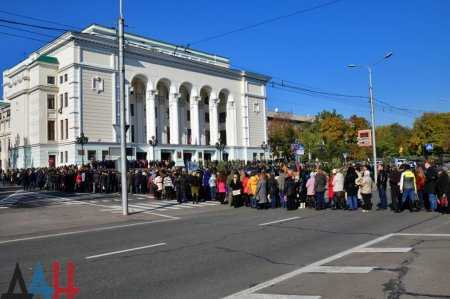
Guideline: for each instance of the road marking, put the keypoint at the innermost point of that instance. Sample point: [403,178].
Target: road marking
[125,250]
[340,269]
[307,268]
[116,207]
[422,235]
[154,207]
[279,221]
[3,207]
[277,296]
[98,229]
[383,250]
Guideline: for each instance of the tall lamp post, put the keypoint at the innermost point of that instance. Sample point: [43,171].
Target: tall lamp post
[264,147]
[153,142]
[82,140]
[220,146]
[372,112]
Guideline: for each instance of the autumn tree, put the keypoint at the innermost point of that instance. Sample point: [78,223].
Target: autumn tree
[431,128]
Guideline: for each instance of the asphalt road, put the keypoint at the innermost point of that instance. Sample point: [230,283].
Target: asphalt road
[204,253]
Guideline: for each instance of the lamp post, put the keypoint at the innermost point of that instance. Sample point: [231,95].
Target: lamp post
[82,140]
[264,147]
[372,112]
[220,146]
[153,142]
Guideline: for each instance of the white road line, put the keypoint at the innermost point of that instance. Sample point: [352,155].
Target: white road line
[277,296]
[125,250]
[383,250]
[84,231]
[340,269]
[422,235]
[151,206]
[4,207]
[306,269]
[279,221]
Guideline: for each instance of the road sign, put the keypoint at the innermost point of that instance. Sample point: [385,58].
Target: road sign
[429,147]
[364,138]
[300,150]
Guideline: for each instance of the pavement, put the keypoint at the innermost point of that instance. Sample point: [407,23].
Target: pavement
[214,251]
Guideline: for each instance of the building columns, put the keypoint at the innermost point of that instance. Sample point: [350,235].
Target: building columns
[150,103]
[127,111]
[195,120]
[174,118]
[214,120]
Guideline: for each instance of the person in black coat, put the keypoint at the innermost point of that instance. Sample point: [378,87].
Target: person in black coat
[273,191]
[291,189]
[443,190]
[236,191]
[431,177]
[351,188]
[394,180]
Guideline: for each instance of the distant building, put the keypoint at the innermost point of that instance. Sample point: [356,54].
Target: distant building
[289,117]
[5,134]
[187,100]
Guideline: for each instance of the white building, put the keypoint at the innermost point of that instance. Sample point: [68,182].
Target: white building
[187,99]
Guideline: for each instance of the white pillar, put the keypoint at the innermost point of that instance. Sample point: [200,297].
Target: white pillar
[150,111]
[127,111]
[195,120]
[174,118]
[231,123]
[214,120]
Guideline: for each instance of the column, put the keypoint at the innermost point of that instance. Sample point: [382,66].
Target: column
[195,120]
[214,120]
[231,123]
[174,119]
[150,102]
[127,111]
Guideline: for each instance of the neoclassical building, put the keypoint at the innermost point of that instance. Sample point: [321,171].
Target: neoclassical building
[186,100]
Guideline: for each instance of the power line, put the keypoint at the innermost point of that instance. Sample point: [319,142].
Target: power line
[31,25]
[264,22]
[22,36]
[29,31]
[37,19]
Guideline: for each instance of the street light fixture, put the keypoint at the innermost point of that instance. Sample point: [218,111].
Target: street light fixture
[372,112]
[82,140]
[153,142]
[220,146]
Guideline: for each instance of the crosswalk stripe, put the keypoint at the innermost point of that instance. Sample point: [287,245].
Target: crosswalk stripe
[142,208]
[154,206]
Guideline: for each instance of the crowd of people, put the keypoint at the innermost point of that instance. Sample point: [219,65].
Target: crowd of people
[259,185]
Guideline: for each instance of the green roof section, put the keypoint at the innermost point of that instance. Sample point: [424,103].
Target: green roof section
[47,59]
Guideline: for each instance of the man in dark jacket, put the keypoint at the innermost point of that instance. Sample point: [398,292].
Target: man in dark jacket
[431,177]
[320,184]
[381,185]
[351,188]
[394,180]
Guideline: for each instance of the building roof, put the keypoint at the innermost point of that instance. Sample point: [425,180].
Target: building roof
[290,117]
[47,59]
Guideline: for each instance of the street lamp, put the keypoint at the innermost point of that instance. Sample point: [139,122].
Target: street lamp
[220,146]
[153,142]
[264,147]
[82,140]
[372,112]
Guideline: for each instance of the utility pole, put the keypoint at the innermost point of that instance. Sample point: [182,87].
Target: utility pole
[372,116]
[123,149]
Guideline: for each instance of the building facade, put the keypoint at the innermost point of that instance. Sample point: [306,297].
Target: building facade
[185,100]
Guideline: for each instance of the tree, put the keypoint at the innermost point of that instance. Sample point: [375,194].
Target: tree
[392,140]
[431,128]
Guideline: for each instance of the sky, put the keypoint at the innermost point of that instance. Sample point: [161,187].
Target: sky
[312,49]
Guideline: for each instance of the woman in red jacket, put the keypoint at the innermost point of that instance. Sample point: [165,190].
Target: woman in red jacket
[330,191]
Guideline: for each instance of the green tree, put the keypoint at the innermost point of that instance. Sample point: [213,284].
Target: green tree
[431,128]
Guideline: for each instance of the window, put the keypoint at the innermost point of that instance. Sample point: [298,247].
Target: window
[60,79]
[156,112]
[61,123]
[222,117]
[61,101]
[51,80]
[132,109]
[66,99]
[66,77]
[132,133]
[50,101]
[67,129]
[207,137]
[189,136]
[51,130]
[91,155]
[66,156]
[206,117]
[61,157]
[223,136]
[188,115]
